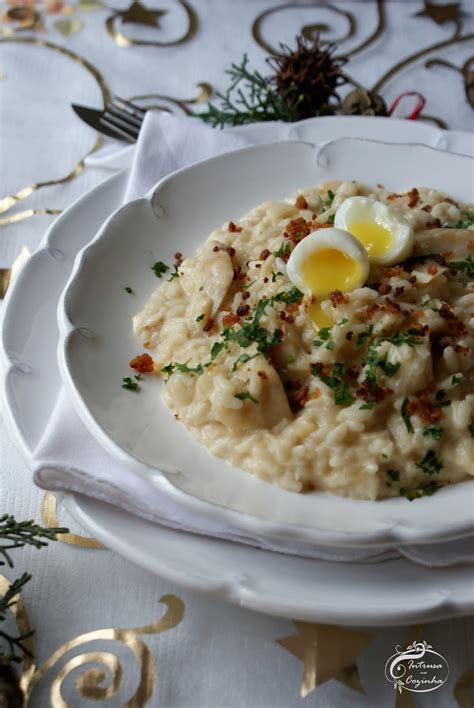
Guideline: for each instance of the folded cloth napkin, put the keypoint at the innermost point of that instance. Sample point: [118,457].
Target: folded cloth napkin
[68,459]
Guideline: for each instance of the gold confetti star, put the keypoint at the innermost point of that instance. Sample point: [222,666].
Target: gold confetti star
[138,14]
[441,13]
[327,652]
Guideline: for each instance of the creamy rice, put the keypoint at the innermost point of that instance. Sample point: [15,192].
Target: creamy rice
[379,405]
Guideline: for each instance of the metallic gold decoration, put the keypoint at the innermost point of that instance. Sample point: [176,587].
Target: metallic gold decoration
[144,17]
[89,683]
[26,17]
[443,13]
[463,690]
[205,92]
[50,519]
[8,202]
[7,275]
[379,30]
[327,652]
[20,615]
[138,14]
[308,31]
[69,27]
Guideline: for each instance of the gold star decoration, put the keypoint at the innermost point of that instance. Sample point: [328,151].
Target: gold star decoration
[327,652]
[138,14]
[441,13]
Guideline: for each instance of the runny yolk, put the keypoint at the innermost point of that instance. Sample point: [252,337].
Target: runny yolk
[376,239]
[326,270]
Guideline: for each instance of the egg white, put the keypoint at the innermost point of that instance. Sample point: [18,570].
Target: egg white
[357,209]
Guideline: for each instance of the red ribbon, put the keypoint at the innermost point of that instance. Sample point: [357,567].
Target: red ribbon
[420,104]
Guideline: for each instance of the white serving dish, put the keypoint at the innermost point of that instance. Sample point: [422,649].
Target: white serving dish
[96,341]
[394,592]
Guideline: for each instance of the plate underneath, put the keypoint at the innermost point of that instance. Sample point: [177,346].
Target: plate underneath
[390,593]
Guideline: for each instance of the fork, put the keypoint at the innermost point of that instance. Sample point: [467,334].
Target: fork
[124,118]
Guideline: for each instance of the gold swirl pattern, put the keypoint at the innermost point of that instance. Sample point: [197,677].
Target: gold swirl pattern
[90,683]
[308,31]
[205,92]
[138,14]
[463,688]
[8,202]
[27,17]
[50,519]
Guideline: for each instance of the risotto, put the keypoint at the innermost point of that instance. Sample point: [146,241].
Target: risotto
[377,403]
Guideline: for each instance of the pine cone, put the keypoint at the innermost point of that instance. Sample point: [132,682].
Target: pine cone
[11,695]
[308,77]
[363,103]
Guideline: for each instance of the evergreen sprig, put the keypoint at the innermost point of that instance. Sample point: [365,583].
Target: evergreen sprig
[17,534]
[251,98]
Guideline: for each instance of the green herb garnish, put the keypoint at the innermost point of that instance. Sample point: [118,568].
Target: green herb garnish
[128,290]
[464,223]
[285,247]
[276,275]
[290,297]
[175,274]
[327,203]
[341,390]
[424,491]
[406,416]
[430,464]
[129,384]
[457,379]
[159,268]
[183,368]
[466,266]
[217,347]
[200,317]
[243,359]
[245,396]
[394,475]
[435,431]
[387,368]
[331,218]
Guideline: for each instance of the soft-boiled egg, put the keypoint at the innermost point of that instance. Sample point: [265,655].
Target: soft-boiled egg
[327,260]
[387,237]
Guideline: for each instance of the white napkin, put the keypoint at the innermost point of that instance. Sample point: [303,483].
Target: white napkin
[69,459]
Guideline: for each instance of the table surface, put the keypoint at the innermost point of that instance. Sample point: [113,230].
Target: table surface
[214,654]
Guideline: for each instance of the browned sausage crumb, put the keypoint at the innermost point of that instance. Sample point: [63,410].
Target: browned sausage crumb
[301,202]
[243,310]
[265,254]
[338,298]
[413,197]
[143,363]
[233,228]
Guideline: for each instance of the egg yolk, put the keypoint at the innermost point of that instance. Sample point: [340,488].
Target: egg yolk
[376,239]
[319,317]
[328,269]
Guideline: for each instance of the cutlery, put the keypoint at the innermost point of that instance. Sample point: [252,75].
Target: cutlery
[120,119]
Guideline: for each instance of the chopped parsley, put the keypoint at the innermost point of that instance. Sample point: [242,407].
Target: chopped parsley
[245,396]
[276,275]
[366,406]
[325,335]
[435,431]
[291,360]
[175,274]
[173,366]
[430,464]
[285,247]
[394,475]
[290,297]
[250,284]
[466,266]
[363,337]
[128,290]
[327,203]
[129,384]
[441,401]
[406,416]
[331,218]
[243,359]
[387,368]
[341,389]
[217,347]
[466,221]
[457,379]
[200,317]
[426,490]
[159,268]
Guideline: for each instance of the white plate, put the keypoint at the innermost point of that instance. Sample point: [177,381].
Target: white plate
[97,341]
[31,385]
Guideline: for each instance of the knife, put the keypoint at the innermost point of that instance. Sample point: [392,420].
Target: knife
[92,116]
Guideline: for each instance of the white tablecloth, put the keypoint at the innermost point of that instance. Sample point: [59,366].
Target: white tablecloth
[218,655]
